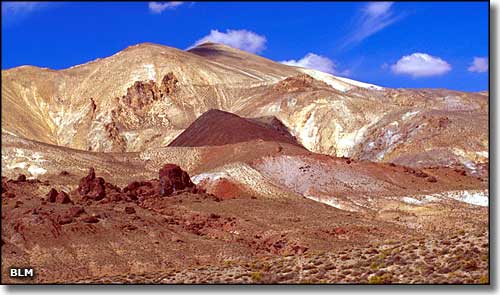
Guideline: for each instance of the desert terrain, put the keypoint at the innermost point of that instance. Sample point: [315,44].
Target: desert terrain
[214,165]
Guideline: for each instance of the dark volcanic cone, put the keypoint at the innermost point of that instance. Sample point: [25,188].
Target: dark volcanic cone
[217,127]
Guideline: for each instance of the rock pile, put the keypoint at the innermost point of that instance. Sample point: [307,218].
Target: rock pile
[172,180]
[91,187]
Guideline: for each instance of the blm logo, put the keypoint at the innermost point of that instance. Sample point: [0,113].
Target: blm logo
[21,272]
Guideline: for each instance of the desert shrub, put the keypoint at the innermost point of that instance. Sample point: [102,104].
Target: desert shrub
[375,280]
[256,276]
[383,279]
[484,280]
[376,265]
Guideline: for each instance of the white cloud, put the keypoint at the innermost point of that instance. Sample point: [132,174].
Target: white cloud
[372,18]
[20,7]
[479,65]
[313,61]
[18,10]
[376,9]
[421,65]
[159,7]
[241,39]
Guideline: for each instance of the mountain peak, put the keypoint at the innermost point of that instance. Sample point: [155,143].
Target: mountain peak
[149,46]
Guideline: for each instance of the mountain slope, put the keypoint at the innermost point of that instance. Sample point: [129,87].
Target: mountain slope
[147,94]
[216,127]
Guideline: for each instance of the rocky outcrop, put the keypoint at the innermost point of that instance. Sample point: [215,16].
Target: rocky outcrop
[172,179]
[298,83]
[53,196]
[140,94]
[91,187]
[143,93]
[168,84]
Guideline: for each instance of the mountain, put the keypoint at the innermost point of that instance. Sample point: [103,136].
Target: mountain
[156,92]
[279,165]
[216,127]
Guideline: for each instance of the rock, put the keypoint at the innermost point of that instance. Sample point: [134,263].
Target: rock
[21,178]
[65,220]
[420,174]
[140,94]
[9,195]
[90,219]
[173,178]
[63,198]
[92,187]
[75,211]
[132,186]
[443,122]
[298,249]
[141,189]
[129,210]
[431,179]
[340,231]
[84,186]
[166,187]
[115,197]
[130,227]
[51,195]
[168,83]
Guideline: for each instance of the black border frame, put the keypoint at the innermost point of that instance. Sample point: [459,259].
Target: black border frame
[492,121]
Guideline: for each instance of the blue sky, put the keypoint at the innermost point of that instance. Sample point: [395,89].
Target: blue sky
[400,44]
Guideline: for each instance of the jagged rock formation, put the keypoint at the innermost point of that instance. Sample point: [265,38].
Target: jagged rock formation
[91,187]
[172,179]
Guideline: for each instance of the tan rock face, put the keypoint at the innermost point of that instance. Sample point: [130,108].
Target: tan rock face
[147,94]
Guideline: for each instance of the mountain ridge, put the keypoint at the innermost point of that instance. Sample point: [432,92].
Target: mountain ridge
[81,107]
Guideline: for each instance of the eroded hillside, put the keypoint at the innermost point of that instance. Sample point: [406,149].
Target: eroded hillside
[147,94]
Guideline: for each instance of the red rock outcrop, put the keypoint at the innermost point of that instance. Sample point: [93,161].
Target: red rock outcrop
[173,178]
[91,187]
[51,195]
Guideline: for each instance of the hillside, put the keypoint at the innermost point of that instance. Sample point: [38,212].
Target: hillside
[216,127]
[214,165]
[158,91]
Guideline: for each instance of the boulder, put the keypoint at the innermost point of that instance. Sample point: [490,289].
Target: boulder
[92,187]
[90,219]
[172,179]
[129,210]
[51,195]
[75,211]
[63,198]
